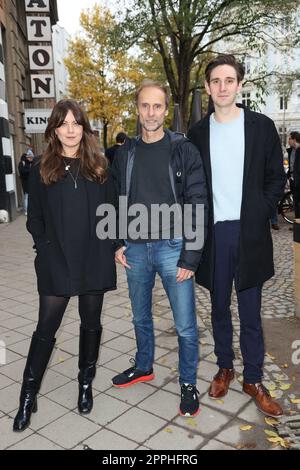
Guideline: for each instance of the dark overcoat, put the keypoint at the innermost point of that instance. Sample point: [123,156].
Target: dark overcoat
[45,223]
[263,185]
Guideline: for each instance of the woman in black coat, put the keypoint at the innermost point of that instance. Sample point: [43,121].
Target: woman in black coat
[65,189]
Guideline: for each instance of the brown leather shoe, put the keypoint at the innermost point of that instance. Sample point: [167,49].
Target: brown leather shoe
[263,399]
[220,384]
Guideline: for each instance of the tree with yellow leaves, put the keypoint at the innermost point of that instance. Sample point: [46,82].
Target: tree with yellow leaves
[102,78]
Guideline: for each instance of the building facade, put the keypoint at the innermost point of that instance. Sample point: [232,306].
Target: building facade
[17,87]
[60,41]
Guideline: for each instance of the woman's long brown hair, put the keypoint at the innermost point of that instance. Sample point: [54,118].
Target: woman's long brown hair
[93,163]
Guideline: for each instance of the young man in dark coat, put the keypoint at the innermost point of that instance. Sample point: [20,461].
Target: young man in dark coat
[243,161]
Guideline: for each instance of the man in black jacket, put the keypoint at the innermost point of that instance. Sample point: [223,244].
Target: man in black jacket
[111,151]
[161,169]
[243,161]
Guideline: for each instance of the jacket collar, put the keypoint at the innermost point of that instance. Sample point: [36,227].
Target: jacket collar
[173,136]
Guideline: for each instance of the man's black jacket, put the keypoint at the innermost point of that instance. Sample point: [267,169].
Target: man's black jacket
[187,178]
[263,185]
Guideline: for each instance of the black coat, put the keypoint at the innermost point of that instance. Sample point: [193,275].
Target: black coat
[24,170]
[45,223]
[110,153]
[263,184]
[297,168]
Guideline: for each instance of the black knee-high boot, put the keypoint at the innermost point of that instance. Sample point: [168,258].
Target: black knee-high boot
[89,343]
[38,357]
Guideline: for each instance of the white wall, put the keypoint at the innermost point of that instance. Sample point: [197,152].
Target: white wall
[60,38]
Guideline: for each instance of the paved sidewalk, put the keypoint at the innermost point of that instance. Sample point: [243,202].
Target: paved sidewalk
[146,415]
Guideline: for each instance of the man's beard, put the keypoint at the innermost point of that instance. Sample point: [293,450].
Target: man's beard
[158,126]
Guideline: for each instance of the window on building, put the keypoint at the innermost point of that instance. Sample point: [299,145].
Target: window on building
[247,64]
[246,99]
[284,27]
[283,102]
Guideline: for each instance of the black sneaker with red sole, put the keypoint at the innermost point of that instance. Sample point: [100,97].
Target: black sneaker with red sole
[132,376]
[189,405]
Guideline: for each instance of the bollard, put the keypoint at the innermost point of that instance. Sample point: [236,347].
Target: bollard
[297,266]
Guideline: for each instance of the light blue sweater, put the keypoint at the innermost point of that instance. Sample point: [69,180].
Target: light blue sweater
[227,153]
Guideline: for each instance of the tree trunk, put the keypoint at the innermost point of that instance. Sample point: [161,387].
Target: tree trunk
[184,79]
[105,125]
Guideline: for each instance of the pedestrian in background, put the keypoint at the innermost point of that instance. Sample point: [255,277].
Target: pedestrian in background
[111,151]
[66,186]
[24,167]
[294,169]
[295,142]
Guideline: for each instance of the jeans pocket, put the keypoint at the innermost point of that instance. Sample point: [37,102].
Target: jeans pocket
[175,242]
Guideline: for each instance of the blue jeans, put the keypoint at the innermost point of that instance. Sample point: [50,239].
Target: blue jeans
[25,202]
[145,260]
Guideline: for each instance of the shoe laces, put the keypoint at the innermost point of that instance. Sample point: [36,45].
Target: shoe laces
[131,369]
[261,387]
[189,392]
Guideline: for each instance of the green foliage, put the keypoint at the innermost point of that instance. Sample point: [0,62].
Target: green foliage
[186,32]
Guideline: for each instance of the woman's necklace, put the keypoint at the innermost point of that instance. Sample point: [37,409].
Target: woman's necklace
[67,168]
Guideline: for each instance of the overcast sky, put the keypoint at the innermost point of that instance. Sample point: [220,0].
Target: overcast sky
[69,11]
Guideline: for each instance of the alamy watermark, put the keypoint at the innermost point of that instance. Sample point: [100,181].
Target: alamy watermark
[296,354]
[2,353]
[160,221]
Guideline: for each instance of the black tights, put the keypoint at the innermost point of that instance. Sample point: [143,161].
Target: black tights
[52,310]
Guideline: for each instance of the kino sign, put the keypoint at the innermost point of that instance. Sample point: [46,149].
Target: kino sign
[40,56]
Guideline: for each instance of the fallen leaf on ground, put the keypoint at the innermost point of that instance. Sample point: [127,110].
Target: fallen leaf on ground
[296,401]
[273,394]
[286,444]
[221,402]
[271,421]
[169,430]
[271,433]
[246,427]
[279,440]
[271,388]
[191,422]
[280,377]
[274,439]
[285,386]
[270,356]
